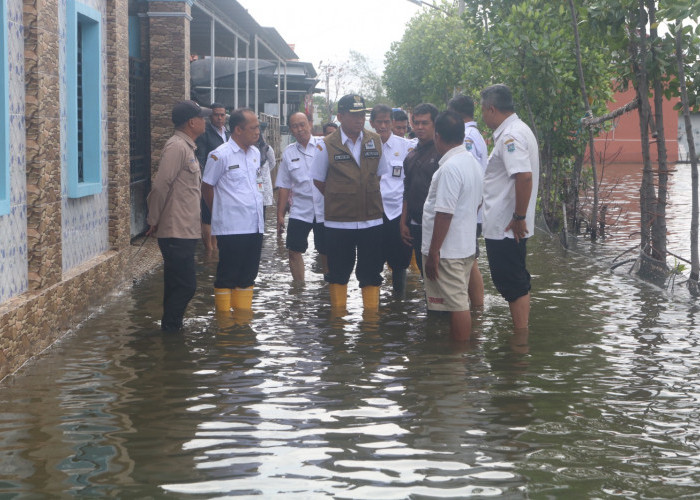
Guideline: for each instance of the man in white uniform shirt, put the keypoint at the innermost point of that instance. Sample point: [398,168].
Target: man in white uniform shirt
[231,190]
[475,144]
[394,148]
[347,169]
[297,187]
[510,196]
[449,225]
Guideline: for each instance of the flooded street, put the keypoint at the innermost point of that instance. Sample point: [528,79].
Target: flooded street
[600,401]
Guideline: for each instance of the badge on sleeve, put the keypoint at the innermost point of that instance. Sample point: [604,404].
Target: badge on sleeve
[468,144]
[320,148]
[510,145]
[213,157]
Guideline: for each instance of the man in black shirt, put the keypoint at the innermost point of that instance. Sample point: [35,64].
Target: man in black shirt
[214,136]
[419,167]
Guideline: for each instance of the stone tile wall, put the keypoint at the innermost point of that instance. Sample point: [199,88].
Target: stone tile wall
[51,301]
[13,226]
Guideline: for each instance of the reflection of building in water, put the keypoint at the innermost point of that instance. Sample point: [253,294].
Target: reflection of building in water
[622,143]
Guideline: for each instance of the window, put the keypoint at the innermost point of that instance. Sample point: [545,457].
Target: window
[4,116]
[84,54]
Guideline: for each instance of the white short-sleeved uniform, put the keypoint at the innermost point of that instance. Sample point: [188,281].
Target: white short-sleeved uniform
[515,151]
[395,150]
[319,172]
[456,189]
[238,201]
[295,174]
[476,145]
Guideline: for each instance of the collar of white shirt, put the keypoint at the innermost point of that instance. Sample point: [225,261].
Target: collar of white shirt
[452,152]
[497,133]
[344,138]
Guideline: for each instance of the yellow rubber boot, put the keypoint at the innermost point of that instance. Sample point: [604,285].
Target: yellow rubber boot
[339,295]
[370,298]
[222,299]
[242,298]
[414,264]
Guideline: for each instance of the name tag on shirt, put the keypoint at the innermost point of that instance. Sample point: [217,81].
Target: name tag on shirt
[232,167]
[342,157]
[295,159]
[397,171]
[371,154]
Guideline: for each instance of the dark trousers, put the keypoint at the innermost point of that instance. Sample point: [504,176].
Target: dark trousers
[417,234]
[179,279]
[396,253]
[239,260]
[343,245]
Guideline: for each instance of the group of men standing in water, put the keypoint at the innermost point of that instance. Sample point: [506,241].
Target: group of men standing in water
[372,198]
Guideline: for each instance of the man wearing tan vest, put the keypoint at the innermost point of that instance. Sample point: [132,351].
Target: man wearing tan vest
[347,169]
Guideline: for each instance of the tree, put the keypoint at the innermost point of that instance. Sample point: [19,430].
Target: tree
[529,45]
[644,60]
[432,60]
[364,79]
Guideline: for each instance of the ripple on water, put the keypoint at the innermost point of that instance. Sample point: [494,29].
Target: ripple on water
[600,400]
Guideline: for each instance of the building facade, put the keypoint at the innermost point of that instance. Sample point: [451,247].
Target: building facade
[86,91]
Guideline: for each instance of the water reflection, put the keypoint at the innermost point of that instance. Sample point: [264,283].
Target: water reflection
[599,399]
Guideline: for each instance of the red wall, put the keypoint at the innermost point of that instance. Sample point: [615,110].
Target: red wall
[622,143]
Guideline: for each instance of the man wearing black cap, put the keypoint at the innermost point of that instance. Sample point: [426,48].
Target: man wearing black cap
[173,210]
[347,169]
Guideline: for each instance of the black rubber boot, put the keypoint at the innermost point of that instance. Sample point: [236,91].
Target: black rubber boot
[398,279]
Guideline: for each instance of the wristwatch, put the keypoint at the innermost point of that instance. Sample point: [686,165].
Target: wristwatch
[518,217]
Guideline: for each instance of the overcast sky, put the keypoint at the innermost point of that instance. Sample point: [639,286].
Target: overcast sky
[326,30]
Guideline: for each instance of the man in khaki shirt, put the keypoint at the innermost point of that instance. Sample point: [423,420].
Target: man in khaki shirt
[174,211]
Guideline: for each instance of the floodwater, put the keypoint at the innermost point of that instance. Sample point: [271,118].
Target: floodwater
[600,401]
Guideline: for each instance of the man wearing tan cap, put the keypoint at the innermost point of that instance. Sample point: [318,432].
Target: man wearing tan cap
[174,213]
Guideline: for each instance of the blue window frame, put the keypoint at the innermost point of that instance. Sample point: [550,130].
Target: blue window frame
[4,115]
[84,60]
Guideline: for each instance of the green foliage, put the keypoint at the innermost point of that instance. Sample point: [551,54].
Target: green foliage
[432,60]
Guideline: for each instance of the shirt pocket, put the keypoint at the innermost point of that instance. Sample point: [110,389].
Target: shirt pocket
[193,168]
[237,179]
[298,174]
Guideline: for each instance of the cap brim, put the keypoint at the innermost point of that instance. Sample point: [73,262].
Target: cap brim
[205,112]
[363,110]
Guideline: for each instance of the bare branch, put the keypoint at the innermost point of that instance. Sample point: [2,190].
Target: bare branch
[590,121]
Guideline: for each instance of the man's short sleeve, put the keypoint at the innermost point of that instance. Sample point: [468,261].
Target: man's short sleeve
[515,155]
[214,168]
[283,179]
[319,167]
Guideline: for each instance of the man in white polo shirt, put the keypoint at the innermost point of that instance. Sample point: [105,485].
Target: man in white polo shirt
[475,144]
[510,196]
[394,148]
[296,187]
[231,191]
[449,225]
